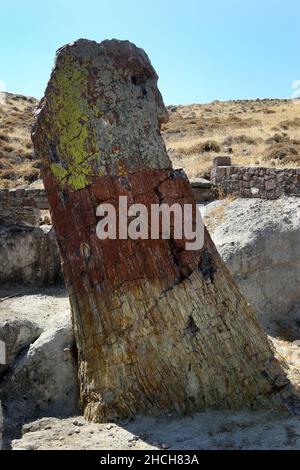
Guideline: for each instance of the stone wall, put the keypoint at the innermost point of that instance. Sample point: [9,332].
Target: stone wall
[22,206]
[203,190]
[266,183]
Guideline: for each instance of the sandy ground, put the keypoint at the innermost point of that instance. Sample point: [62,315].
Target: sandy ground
[207,430]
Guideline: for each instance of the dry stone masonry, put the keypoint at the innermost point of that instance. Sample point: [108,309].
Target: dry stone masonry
[265,183]
[28,249]
[158,329]
[22,206]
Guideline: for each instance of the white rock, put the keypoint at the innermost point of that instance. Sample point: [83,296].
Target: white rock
[17,334]
[259,240]
[43,381]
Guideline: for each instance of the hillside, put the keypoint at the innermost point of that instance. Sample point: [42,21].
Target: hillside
[17,163]
[260,132]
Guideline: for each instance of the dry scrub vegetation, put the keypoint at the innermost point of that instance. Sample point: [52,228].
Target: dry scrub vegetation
[17,163]
[261,132]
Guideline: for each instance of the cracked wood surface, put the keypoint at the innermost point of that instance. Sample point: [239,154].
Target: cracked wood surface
[159,329]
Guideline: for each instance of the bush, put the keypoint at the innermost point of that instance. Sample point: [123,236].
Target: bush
[239,139]
[210,146]
[284,153]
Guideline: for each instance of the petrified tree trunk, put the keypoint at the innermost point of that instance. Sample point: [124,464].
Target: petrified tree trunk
[158,328]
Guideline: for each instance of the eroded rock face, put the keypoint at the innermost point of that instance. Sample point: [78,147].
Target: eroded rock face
[158,328]
[40,377]
[30,256]
[42,381]
[259,241]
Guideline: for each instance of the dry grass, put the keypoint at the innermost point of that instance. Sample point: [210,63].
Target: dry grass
[261,132]
[17,162]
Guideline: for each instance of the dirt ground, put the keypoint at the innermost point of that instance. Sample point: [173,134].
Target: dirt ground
[208,430]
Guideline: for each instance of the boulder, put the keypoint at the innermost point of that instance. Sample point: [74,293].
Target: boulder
[17,334]
[259,240]
[42,381]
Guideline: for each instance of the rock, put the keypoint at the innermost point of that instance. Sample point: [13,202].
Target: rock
[259,240]
[270,184]
[30,256]
[200,183]
[37,184]
[42,381]
[1,426]
[17,335]
[202,190]
[48,307]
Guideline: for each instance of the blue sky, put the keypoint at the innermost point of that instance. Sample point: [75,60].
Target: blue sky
[201,50]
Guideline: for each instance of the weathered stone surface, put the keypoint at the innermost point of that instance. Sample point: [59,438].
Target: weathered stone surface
[158,328]
[41,372]
[42,381]
[222,161]
[203,190]
[259,240]
[30,256]
[17,335]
